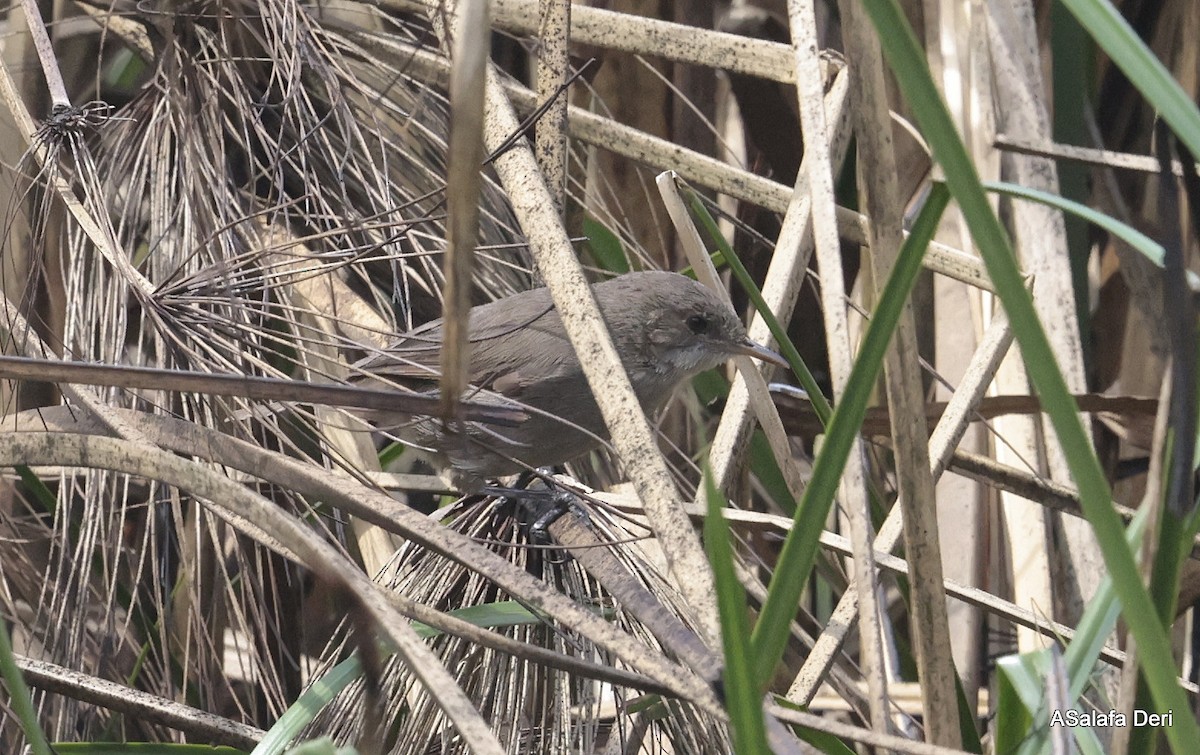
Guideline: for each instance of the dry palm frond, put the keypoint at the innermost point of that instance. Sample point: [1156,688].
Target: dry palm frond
[533,708]
[254,118]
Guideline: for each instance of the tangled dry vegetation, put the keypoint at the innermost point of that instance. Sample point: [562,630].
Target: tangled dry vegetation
[270,188]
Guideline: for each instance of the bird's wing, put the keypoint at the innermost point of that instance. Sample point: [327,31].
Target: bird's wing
[510,361]
[511,348]
[415,356]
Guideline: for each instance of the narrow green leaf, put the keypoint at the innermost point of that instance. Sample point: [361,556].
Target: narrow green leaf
[711,386]
[1117,38]
[323,690]
[37,489]
[504,613]
[908,63]
[799,549]
[19,701]
[770,477]
[1147,246]
[823,741]
[743,694]
[322,746]
[762,461]
[1098,621]
[605,246]
[1022,712]
[1019,694]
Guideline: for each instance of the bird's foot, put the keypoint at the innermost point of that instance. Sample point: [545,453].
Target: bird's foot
[540,501]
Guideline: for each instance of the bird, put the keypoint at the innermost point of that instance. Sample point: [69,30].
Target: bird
[666,328]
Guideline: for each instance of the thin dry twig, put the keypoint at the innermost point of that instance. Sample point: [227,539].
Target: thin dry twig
[471,53]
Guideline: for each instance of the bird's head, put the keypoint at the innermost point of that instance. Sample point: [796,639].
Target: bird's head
[689,329]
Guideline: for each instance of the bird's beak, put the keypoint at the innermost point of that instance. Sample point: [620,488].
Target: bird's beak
[758,351]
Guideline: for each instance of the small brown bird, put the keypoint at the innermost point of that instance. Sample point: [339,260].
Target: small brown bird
[666,328]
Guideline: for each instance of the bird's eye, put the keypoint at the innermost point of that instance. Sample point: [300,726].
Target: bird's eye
[698,324]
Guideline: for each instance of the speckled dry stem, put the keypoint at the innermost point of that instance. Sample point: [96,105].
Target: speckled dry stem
[902,374]
[853,492]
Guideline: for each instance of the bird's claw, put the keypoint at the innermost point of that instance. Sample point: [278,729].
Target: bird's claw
[561,501]
[541,507]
